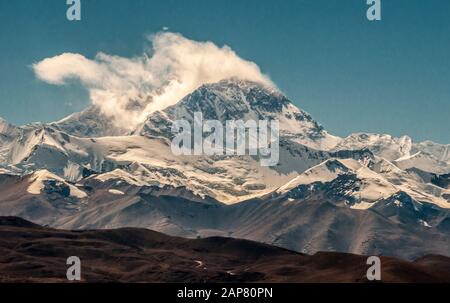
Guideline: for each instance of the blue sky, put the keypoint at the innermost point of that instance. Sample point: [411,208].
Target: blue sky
[352,75]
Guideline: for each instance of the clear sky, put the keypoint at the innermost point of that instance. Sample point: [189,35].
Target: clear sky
[352,75]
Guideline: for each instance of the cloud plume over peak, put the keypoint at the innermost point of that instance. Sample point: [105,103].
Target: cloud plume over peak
[128,89]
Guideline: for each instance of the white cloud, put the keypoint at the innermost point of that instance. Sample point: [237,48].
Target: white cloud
[59,68]
[129,89]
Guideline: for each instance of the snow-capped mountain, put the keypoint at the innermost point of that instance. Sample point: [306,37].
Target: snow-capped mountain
[242,100]
[363,186]
[424,161]
[64,149]
[439,151]
[7,131]
[7,134]
[385,146]
[427,156]
[89,123]
[358,194]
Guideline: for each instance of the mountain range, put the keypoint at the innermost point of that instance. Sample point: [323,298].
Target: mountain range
[364,194]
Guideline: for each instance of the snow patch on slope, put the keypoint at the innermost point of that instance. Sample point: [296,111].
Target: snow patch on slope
[38,178]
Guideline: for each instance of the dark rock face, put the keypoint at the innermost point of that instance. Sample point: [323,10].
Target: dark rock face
[406,211]
[444,226]
[363,154]
[337,190]
[56,187]
[441,181]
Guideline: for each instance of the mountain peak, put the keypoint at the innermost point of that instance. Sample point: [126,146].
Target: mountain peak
[235,99]
[5,126]
[91,122]
[7,132]
[243,85]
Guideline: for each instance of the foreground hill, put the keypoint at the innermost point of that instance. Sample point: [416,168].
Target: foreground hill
[366,194]
[31,253]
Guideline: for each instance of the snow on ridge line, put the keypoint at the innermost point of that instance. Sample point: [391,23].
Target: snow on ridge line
[408,157]
[374,185]
[324,172]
